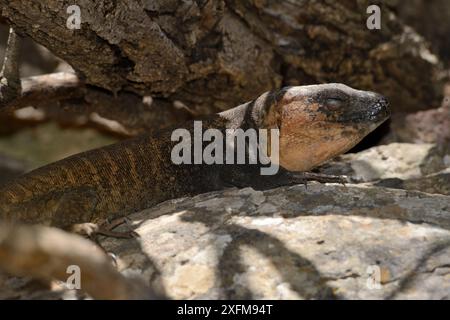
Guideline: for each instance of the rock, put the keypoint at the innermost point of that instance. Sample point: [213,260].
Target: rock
[431,126]
[328,241]
[435,183]
[420,167]
[431,21]
[323,242]
[396,160]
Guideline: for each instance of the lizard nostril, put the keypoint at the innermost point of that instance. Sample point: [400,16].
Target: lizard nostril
[382,104]
[379,108]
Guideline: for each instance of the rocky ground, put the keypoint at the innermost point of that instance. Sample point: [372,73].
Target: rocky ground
[384,236]
[288,243]
[326,241]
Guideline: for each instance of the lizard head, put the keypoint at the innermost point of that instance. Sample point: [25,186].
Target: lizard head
[319,122]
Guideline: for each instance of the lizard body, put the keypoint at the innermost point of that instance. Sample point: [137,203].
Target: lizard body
[316,123]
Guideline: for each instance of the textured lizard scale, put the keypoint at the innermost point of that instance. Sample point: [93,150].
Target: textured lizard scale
[315,123]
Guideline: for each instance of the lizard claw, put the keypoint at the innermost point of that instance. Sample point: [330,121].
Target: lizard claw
[109,225]
[134,234]
[130,234]
[105,228]
[304,177]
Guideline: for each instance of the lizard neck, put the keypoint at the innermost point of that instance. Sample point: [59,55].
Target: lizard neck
[244,116]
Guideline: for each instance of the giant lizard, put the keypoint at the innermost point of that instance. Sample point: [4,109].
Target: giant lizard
[315,123]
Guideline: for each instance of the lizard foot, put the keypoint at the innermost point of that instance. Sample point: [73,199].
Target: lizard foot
[85,229]
[91,230]
[304,177]
[106,229]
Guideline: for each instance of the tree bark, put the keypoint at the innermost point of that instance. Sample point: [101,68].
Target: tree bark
[432,20]
[212,55]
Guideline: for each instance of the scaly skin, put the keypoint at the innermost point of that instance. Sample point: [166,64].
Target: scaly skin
[316,123]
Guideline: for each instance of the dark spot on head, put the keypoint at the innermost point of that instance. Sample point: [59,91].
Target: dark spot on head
[346,105]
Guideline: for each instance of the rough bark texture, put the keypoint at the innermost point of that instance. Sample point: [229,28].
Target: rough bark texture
[64,97]
[431,19]
[212,55]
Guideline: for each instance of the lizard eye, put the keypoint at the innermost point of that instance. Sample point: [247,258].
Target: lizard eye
[334,103]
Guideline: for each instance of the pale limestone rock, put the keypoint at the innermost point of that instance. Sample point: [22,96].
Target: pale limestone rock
[395,160]
[326,241]
[292,243]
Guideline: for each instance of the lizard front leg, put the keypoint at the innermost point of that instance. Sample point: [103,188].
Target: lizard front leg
[304,177]
[107,226]
[242,178]
[73,207]
[78,211]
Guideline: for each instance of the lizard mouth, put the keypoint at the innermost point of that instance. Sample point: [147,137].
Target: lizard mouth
[377,112]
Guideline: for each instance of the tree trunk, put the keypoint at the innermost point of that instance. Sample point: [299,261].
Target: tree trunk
[432,20]
[212,55]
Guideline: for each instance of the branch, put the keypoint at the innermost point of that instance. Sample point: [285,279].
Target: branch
[65,98]
[45,89]
[213,55]
[9,75]
[45,253]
